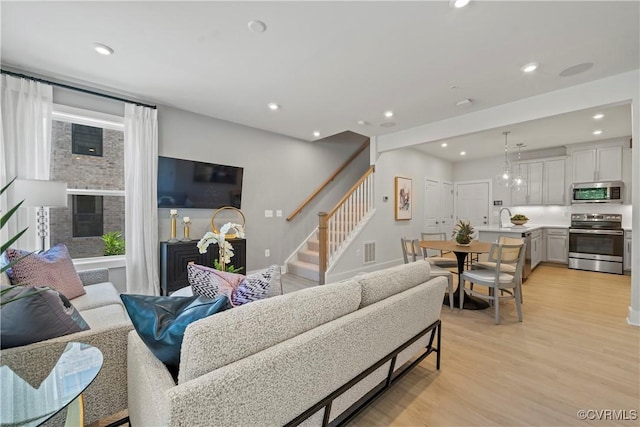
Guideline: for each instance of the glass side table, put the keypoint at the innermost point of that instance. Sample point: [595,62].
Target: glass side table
[23,405]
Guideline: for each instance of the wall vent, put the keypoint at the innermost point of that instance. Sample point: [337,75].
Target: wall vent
[369,252]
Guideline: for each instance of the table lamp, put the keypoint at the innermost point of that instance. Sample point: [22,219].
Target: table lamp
[41,194]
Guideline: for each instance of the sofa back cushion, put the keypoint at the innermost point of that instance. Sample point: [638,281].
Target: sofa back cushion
[381,284]
[273,386]
[238,333]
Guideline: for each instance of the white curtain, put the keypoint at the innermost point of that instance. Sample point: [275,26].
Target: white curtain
[141,211]
[25,147]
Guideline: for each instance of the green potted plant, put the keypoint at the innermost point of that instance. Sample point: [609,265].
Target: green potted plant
[113,243]
[463,232]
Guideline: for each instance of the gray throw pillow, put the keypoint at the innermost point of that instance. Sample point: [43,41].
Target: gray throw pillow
[39,314]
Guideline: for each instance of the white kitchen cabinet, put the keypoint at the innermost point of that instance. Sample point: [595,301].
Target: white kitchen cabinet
[531,194]
[554,188]
[627,250]
[536,248]
[598,164]
[556,241]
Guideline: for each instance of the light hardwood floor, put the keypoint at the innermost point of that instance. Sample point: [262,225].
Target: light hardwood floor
[573,351]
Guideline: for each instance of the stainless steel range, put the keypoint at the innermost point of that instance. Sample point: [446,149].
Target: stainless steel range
[596,242]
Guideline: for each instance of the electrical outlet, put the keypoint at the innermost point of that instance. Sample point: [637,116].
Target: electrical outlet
[268,214]
[267,253]
[279,212]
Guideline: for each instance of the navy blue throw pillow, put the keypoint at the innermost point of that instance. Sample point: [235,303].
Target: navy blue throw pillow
[161,321]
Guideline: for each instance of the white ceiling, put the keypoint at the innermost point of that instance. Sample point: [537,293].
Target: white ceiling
[328,64]
[550,132]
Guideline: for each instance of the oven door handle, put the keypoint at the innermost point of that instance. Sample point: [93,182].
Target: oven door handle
[585,231]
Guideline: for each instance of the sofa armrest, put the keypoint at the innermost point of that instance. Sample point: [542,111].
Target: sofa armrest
[108,392]
[96,275]
[149,381]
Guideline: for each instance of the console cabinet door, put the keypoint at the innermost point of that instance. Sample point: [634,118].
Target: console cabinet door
[174,258]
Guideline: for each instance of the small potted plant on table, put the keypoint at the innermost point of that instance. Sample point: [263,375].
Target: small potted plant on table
[463,232]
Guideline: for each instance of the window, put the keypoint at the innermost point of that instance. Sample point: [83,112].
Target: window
[86,140]
[87,152]
[87,216]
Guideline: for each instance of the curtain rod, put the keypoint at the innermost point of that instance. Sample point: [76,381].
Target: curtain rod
[87,91]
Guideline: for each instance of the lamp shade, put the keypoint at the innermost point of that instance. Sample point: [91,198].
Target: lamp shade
[39,193]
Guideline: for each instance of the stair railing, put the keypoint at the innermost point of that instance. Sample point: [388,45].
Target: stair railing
[335,226]
[328,181]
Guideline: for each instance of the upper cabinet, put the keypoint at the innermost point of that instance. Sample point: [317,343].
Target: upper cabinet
[554,191]
[598,164]
[545,180]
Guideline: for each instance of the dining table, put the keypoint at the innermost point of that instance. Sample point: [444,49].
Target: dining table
[461,251]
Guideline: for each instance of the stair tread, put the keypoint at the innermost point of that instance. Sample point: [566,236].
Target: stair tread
[304,264]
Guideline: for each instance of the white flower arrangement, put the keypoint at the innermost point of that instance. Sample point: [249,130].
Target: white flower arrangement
[225,250]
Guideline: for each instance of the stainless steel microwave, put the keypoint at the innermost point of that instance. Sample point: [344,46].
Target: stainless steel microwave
[597,192]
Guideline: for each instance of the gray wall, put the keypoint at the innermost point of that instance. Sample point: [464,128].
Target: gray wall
[383,229]
[279,173]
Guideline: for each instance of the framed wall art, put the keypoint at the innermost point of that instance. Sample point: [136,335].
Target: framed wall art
[403,198]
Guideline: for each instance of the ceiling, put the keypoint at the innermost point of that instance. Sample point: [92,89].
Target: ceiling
[328,65]
[550,132]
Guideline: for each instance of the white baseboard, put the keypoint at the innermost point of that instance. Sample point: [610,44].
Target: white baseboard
[634,317]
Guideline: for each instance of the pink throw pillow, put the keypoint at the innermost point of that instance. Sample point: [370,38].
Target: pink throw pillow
[209,282]
[53,268]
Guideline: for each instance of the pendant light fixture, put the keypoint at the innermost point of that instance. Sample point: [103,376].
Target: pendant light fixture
[519,182]
[504,178]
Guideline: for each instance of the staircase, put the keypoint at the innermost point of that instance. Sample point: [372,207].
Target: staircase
[306,262]
[336,230]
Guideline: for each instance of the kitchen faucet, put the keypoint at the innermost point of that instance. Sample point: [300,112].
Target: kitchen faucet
[500,215]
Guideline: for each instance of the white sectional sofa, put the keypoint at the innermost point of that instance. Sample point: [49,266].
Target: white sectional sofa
[104,313]
[298,358]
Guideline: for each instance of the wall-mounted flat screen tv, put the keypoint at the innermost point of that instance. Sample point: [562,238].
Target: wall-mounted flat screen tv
[190,184]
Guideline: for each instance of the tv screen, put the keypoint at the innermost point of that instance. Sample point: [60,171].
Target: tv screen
[190,184]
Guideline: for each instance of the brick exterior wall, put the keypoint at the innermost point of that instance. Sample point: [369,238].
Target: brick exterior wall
[86,172]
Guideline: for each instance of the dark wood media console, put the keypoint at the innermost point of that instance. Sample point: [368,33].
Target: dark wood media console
[174,258]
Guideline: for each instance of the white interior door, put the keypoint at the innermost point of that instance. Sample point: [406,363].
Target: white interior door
[431,206]
[472,202]
[446,207]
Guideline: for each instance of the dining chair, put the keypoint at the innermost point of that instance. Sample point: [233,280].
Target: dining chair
[497,281]
[410,251]
[505,268]
[439,259]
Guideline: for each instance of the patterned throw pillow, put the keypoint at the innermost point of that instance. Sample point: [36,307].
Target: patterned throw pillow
[210,283]
[53,268]
[30,315]
[255,286]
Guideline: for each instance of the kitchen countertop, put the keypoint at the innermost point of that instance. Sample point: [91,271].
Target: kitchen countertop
[519,229]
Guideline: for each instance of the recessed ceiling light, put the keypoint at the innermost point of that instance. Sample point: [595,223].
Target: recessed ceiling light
[463,153]
[388,114]
[362,122]
[316,133]
[458,3]
[530,67]
[257,26]
[102,49]
[464,102]
[444,144]
[597,132]
[273,106]
[598,116]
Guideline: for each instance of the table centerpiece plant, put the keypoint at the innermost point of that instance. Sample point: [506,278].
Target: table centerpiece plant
[463,232]
[225,250]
